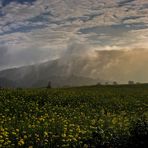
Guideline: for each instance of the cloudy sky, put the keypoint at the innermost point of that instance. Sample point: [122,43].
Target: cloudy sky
[33,31]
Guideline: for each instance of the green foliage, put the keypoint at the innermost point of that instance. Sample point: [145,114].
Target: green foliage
[99,116]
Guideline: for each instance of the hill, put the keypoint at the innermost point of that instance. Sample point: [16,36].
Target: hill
[40,74]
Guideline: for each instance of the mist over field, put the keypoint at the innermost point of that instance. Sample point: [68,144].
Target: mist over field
[95,40]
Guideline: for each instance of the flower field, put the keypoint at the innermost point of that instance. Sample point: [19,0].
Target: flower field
[97,116]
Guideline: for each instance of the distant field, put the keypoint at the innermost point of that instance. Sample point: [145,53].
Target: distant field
[97,116]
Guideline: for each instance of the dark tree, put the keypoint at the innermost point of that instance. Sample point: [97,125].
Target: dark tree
[115,83]
[106,83]
[99,83]
[49,85]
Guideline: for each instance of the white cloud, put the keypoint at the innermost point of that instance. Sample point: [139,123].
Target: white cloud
[49,25]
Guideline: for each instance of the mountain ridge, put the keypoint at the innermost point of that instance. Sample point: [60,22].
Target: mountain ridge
[39,75]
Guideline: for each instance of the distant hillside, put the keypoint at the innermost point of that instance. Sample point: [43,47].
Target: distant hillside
[39,76]
[7,83]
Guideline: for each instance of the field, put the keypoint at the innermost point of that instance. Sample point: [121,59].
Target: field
[97,116]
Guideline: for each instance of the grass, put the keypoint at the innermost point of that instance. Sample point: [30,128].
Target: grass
[97,116]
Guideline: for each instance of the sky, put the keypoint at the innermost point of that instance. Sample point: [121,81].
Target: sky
[34,31]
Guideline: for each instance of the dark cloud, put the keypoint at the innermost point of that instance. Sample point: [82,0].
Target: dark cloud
[84,18]
[6,2]
[132,18]
[124,2]
[24,29]
[114,30]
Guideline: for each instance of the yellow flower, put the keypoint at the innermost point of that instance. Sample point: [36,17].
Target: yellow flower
[17,130]
[64,135]
[85,146]
[5,133]
[45,134]
[74,139]
[12,144]
[6,129]
[46,140]
[70,130]
[13,133]
[65,129]
[36,135]
[1,141]
[21,142]
[25,137]
[114,120]
[24,132]
[70,136]
[93,122]
[8,141]
[2,129]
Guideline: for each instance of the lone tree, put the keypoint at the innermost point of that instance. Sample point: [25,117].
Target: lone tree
[99,83]
[106,83]
[49,85]
[115,83]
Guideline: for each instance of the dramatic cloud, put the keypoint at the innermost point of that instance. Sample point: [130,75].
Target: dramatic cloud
[34,31]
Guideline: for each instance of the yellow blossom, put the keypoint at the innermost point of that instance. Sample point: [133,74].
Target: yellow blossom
[21,142]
